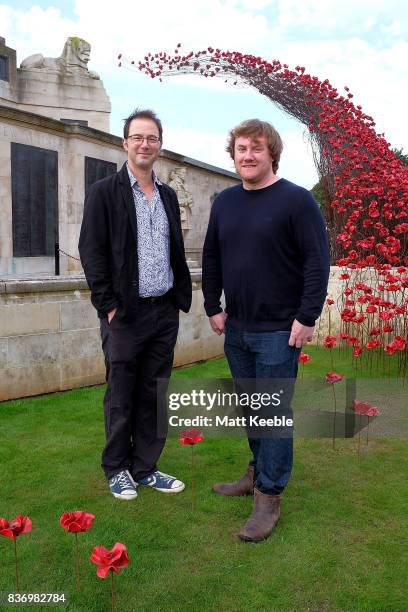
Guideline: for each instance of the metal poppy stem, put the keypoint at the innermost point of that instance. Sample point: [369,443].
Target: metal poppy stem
[78,576]
[192,479]
[334,416]
[112,592]
[359,436]
[16,564]
[368,426]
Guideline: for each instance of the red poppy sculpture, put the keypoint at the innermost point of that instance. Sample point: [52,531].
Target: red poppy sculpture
[191,437]
[364,183]
[304,358]
[331,379]
[111,561]
[77,522]
[329,303]
[364,409]
[330,342]
[18,526]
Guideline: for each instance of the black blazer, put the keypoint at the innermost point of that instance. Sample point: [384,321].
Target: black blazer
[108,246]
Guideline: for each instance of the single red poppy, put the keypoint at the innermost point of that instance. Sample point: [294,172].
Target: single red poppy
[77,521]
[109,560]
[390,348]
[333,377]
[373,344]
[400,343]
[357,351]
[21,524]
[191,436]
[365,409]
[372,411]
[371,309]
[329,342]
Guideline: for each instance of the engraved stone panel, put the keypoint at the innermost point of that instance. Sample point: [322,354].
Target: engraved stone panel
[96,169]
[34,176]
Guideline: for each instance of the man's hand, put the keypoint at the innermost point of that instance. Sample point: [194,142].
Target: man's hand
[300,334]
[111,314]
[217,322]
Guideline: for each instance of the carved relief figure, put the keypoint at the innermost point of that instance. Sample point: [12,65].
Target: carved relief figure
[74,59]
[177,180]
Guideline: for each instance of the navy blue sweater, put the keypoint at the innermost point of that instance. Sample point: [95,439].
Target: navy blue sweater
[268,250]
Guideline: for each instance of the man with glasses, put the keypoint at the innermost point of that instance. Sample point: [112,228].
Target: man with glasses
[132,252]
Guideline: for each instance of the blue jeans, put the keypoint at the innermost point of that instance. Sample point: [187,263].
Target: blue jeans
[254,355]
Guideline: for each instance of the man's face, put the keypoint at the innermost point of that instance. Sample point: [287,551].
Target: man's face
[143,154]
[252,159]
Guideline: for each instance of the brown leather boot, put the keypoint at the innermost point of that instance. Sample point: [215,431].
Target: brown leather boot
[265,515]
[244,486]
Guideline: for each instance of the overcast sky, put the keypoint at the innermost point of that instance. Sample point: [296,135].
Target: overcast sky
[362,44]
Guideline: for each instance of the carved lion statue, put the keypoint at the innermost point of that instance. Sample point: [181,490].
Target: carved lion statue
[74,59]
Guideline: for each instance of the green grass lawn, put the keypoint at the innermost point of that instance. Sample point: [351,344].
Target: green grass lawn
[341,543]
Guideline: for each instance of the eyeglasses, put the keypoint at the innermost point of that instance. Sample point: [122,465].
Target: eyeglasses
[138,139]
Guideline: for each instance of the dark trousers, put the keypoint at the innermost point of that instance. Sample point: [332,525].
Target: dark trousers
[137,353]
[266,355]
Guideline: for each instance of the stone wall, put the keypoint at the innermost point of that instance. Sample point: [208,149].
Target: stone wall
[49,336]
[334,291]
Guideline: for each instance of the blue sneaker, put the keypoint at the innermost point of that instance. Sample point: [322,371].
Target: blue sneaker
[123,486]
[162,482]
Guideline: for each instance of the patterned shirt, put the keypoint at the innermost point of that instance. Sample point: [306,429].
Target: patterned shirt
[153,241]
